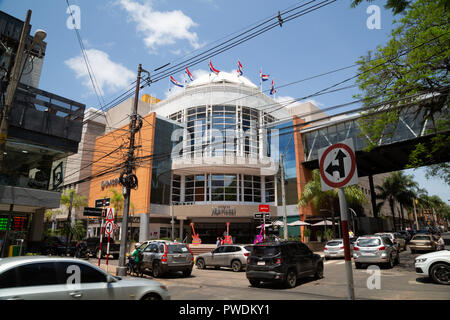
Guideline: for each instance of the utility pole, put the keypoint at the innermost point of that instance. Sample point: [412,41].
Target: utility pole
[415,214]
[283,199]
[69,222]
[128,179]
[15,78]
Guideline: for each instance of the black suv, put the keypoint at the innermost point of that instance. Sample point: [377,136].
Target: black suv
[282,262]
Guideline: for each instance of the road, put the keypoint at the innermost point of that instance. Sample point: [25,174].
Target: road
[399,283]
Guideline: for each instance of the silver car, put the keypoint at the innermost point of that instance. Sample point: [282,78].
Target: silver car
[161,257]
[396,238]
[60,278]
[335,249]
[232,256]
[375,249]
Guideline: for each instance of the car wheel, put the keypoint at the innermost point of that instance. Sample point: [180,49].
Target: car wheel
[440,273]
[201,264]
[187,272]
[319,271]
[358,265]
[152,296]
[291,278]
[413,251]
[236,266]
[156,270]
[390,263]
[254,283]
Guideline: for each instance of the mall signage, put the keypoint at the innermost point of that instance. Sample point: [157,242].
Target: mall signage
[225,211]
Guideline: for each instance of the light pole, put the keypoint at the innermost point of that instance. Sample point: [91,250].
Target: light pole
[353,220]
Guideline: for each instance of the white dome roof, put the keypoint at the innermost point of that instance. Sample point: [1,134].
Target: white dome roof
[221,77]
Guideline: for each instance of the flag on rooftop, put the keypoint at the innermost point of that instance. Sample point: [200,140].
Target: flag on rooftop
[240,69]
[212,69]
[175,82]
[189,74]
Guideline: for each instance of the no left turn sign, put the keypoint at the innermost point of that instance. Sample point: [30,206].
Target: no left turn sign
[337,164]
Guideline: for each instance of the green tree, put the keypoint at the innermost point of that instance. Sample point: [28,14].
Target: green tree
[78,200]
[399,188]
[313,194]
[414,61]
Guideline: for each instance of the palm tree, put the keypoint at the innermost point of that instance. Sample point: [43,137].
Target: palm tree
[399,188]
[71,197]
[313,194]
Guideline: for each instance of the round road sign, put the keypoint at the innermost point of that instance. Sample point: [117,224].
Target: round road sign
[337,165]
[109,227]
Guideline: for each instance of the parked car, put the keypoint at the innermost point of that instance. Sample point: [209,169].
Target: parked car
[396,238]
[61,278]
[57,246]
[161,257]
[406,235]
[231,256]
[284,261]
[335,249]
[423,242]
[375,249]
[93,247]
[435,265]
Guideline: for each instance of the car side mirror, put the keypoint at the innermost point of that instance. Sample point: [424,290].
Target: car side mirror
[110,279]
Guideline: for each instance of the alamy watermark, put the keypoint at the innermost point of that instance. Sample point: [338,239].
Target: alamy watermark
[374,20]
[374,280]
[74,19]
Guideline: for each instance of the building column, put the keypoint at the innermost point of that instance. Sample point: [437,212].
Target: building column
[181,229]
[373,198]
[144,227]
[37,225]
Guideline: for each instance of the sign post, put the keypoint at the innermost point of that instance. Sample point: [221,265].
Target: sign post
[101,203]
[337,164]
[109,227]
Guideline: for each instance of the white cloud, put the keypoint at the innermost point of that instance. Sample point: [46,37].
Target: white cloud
[110,76]
[290,102]
[160,28]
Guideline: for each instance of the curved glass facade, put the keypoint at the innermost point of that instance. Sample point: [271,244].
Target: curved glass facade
[222,130]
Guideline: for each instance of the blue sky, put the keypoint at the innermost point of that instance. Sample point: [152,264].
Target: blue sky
[120,34]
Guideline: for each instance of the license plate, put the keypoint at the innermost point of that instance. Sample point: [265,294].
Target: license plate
[261,263]
[369,253]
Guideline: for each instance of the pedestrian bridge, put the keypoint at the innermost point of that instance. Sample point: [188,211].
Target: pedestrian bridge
[392,150]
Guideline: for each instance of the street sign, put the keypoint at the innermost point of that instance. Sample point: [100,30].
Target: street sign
[110,214]
[264,208]
[109,227]
[99,203]
[92,212]
[337,164]
[261,215]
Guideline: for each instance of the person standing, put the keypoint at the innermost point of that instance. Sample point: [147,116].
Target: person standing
[218,242]
[440,243]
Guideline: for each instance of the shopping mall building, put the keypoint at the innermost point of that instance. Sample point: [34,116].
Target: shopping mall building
[208,155]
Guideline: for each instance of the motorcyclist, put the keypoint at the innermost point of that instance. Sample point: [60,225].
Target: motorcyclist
[135,258]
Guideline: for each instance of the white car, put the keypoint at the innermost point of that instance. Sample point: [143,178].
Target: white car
[58,278]
[435,265]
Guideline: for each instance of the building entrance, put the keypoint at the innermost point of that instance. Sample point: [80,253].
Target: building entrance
[242,233]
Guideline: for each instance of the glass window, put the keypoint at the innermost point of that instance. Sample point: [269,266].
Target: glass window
[8,279]
[37,274]
[88,273]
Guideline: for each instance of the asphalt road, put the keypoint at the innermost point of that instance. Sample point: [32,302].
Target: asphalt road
[399,283]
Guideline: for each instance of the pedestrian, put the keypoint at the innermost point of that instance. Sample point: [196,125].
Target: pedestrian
[218,243]
[222,241]
[440,243]
[351,234]
[277,238]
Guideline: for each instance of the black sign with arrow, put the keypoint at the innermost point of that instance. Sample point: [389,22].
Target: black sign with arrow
[340,167]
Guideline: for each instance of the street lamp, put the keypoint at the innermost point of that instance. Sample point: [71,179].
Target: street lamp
[353,220]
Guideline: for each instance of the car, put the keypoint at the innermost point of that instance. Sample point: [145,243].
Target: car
[93,247]
[435,265]
[161,257]
[284,262]
[335,249]
[423,242]
[57,246]
[375,249]
[231,256]
[396,238]
[406,235]
[63,278]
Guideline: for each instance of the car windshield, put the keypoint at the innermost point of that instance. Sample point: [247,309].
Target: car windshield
[177,248]
[261,251]
[334,243]
[371,242]
[421,238]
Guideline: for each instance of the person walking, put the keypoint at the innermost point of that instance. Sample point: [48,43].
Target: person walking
[440,243]
[218,243]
